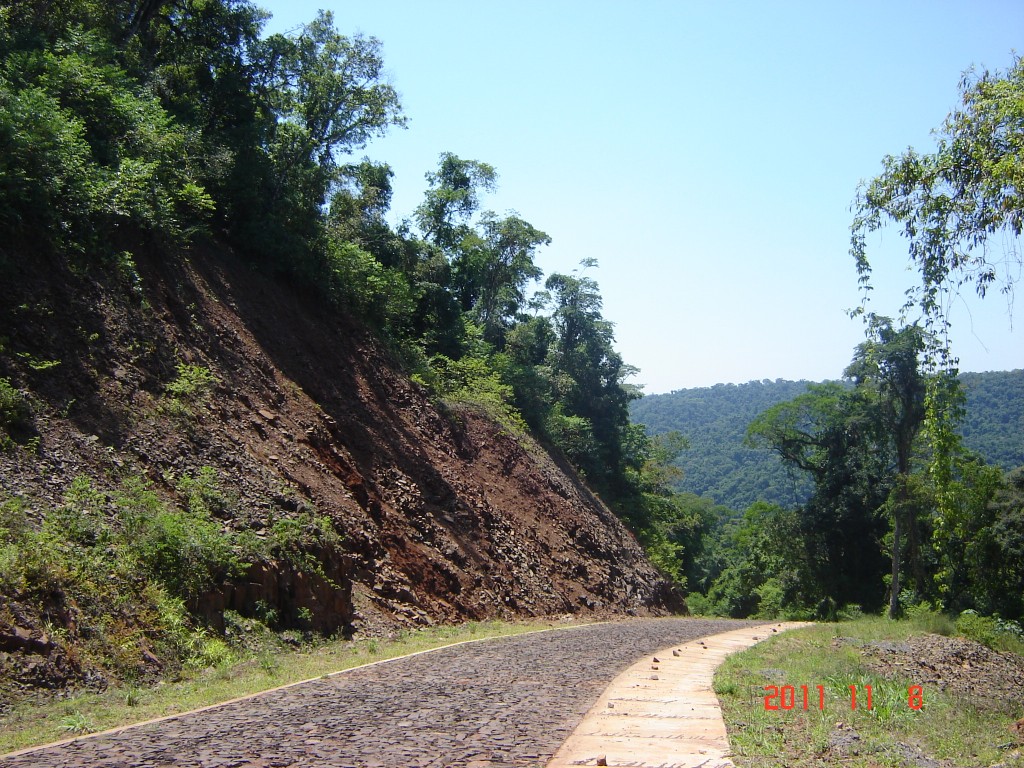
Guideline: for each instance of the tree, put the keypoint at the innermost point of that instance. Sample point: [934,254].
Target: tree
[493,276]
[452,199]
[326,96]
[888,365]
[952,204]
[858,444]
[833,433]
[961,209]
[492,259]
[588,376]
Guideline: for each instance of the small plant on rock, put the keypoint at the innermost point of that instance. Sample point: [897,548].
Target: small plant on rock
[15,414]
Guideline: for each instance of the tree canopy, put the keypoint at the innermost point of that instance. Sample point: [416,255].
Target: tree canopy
[961,207]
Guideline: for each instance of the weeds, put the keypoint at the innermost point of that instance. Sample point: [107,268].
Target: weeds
[76,723]
[946,727]
[996,633]
[191,388]
[127,560]
[194,383]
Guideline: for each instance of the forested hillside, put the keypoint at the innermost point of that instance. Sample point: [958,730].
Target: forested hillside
[993,423]
[233,396]
[717,462]
[720,463]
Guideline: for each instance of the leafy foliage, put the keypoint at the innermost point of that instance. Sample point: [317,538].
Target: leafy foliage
[128,561]
[90,149]
[15,413]
[953,202]
[961,212]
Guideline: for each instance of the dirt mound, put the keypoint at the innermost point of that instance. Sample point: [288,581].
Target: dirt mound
[443,515]
[989,679]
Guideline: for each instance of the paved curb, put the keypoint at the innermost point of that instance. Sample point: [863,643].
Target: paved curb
[662,711]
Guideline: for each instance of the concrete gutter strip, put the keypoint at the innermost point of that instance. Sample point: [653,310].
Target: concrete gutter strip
[662,711]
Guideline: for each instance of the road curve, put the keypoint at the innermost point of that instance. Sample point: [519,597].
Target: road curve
[502,703]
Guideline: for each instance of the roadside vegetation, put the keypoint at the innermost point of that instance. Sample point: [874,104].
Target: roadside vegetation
[912,721]
[258,660]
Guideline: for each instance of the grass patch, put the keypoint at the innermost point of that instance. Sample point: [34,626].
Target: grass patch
[892,733]
[31,723]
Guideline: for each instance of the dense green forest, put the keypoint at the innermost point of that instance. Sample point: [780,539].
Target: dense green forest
[161,126]
[993,422]
[719,462]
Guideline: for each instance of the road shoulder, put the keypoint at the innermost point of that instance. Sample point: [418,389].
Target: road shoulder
[662,711]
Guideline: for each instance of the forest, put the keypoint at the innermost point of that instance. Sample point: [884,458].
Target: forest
[720,463]
[164,125]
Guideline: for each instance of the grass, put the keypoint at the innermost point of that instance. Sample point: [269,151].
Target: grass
[32,723]
[945,727]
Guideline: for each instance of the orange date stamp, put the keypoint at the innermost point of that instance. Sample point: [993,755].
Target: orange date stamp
[806,697]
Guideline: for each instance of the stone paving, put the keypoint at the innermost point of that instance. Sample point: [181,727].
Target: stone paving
[505,703]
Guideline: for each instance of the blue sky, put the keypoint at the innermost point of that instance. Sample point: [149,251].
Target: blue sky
[705,153]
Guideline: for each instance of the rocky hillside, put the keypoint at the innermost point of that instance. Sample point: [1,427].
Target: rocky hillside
[204,367]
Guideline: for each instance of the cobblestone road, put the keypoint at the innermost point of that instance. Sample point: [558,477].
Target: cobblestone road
[498,703]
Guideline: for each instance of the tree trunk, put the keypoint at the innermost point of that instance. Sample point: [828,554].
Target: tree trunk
[894,596]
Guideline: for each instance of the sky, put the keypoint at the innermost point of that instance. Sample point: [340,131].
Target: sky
[705,153]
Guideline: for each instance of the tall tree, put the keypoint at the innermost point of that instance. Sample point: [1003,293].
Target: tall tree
[494,275]
[858,444]
[492,259]
[961,209]
[452,199]
[888,365]
[589,377]
[833,433]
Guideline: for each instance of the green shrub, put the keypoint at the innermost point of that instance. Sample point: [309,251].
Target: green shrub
[203,493]
[699,604]
[374,292]
[666,555]
[996,633]
[850,612]
[292,538]
[983,629]
[208,651]
[82,518]
[193,384]
[771,594]
[15,413]
[472,380]
[185,551]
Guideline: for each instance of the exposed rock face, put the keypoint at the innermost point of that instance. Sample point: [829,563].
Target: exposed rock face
[443,516]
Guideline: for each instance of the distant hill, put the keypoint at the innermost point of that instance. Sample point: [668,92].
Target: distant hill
[714,420]
[994,423]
